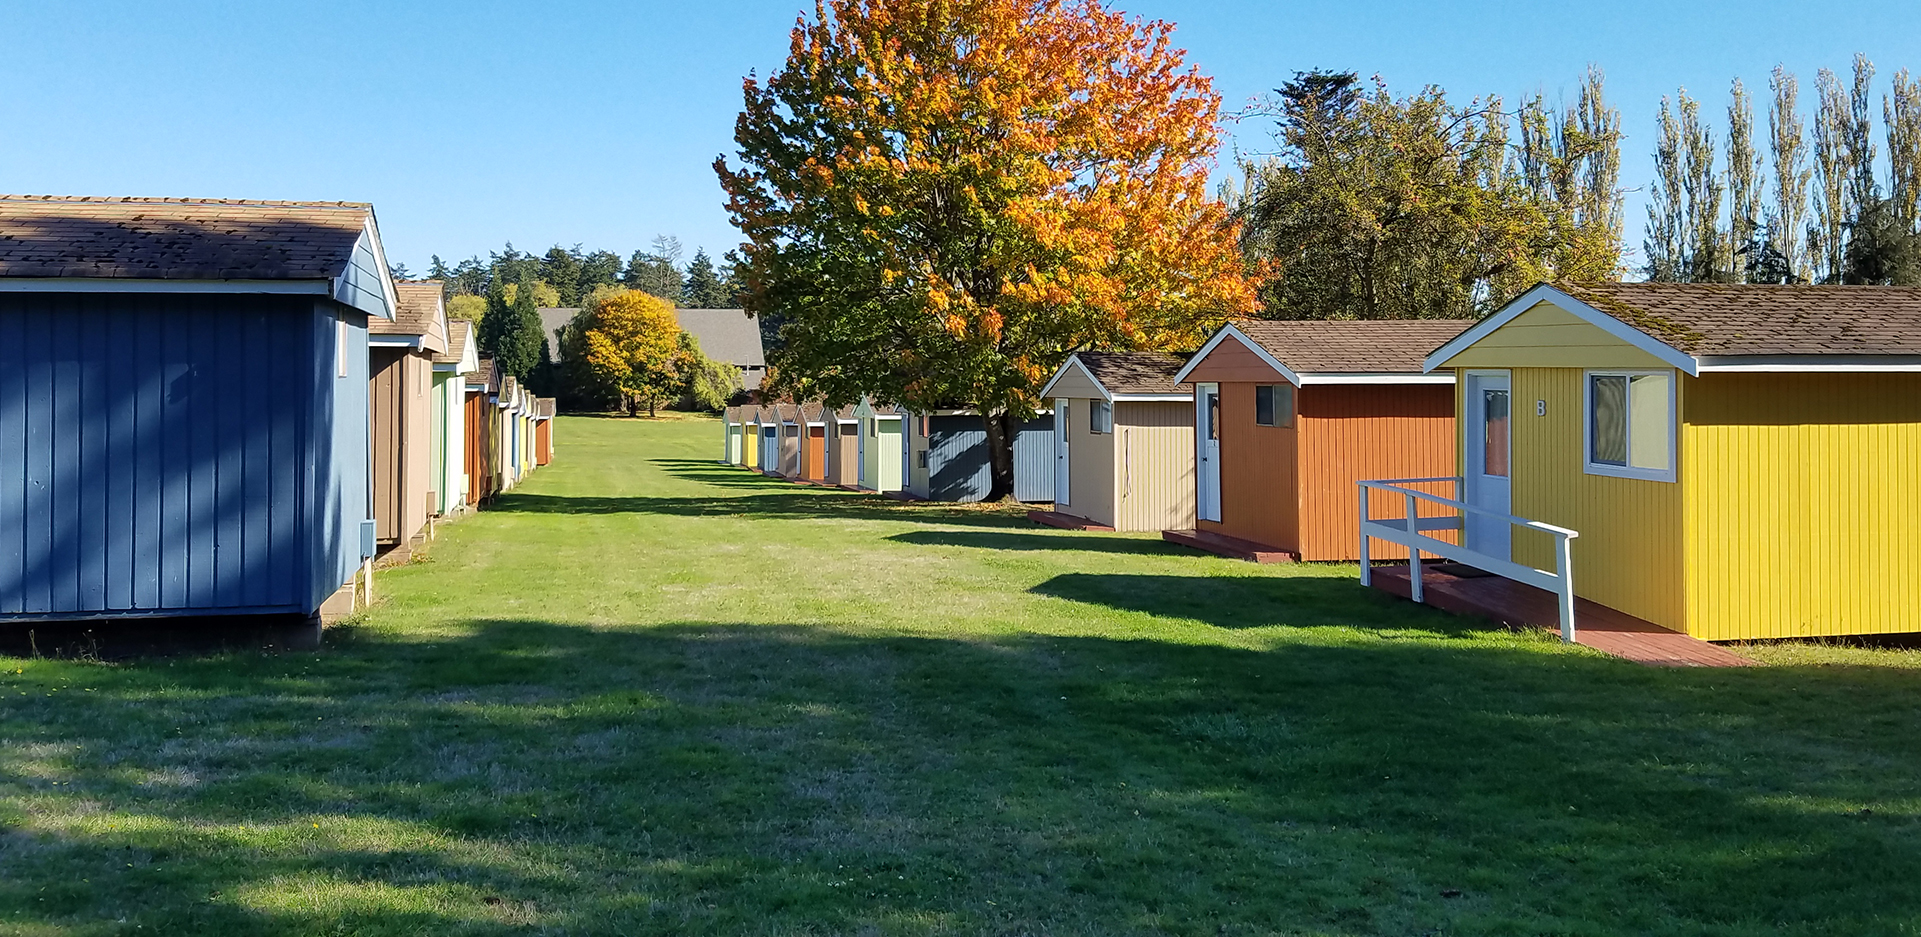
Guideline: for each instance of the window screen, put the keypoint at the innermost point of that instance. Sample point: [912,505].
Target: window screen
[1100,417]
[1494,448]
[1273,404]
[1630,422]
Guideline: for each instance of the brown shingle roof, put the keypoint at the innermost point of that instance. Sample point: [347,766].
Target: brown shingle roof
[545,408]
[1721,319]
[177,239]
[418,312]
[1369,346]
[813,411]
[459,331]
[1134,372]
[483,375]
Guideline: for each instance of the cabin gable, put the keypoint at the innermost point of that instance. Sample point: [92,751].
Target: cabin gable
[1548,336]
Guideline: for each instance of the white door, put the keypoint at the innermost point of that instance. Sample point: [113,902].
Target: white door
[1207,436]
[1061,468]
[1487,440]
[860,455]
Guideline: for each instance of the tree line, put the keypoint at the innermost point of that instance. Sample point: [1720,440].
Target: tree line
[568,275]
[1804,202]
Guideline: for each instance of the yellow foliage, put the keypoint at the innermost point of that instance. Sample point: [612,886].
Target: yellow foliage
[631,340]
[466,306]
[544,295]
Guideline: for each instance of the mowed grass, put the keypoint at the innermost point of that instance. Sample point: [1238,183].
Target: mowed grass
[651,695]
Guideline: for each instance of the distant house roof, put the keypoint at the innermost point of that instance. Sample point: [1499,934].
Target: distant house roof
[421,313]
[1709,326]
[552,320]
[334,245]
[729,335]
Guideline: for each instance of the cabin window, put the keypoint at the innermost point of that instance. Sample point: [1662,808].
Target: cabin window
[1274,405]
[1630,424]
[1100,417]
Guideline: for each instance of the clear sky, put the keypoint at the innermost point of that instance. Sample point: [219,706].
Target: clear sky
[471,124]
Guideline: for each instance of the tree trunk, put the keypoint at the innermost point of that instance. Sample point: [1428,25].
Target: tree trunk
[1000,455]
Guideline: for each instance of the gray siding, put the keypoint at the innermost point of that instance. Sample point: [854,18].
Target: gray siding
[957,467]
[176,454]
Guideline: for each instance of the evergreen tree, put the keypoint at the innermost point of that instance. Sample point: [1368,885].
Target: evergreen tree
[598,269]
[436,270]
[560,269]
[495,324]
[520,341]
[702,288]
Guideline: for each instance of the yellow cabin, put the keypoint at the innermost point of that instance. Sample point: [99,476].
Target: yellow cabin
[1738,461]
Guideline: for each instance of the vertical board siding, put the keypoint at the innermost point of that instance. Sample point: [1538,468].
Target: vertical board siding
[155,456]
[1801,490]
[1260,474]
[1153,466]
[1034,460]
[1090,467]
[957,463]
[1629,554]
[1350,432]
[384,414]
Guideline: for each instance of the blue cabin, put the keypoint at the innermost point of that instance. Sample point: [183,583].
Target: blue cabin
[946,457]
[184,405]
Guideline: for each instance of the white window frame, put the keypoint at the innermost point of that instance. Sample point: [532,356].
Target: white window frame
[1100,418]
[1592,467]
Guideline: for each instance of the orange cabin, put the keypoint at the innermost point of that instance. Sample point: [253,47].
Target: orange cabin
[1290,416]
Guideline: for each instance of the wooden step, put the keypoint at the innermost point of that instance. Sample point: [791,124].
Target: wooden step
[1230,547]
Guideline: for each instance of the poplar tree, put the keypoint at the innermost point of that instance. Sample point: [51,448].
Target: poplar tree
[1827,235]
[1744,173]
[1789,148]
[1664,242]
[1901,112]
[1707,260]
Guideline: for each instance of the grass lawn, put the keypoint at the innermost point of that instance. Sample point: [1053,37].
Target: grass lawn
[649,694]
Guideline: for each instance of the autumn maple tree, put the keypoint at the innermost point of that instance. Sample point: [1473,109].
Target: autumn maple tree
[633,343]
[943,199]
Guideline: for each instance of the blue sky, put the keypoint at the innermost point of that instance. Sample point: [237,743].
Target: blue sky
[470,124]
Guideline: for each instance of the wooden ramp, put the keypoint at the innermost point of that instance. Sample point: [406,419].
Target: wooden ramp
[1065,521]
[1230,547]
[1597,626]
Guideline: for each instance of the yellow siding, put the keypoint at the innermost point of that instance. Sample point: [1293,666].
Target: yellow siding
[1547,336]
[1629,555]
[1800,492]
[1154,466]
[1090,467]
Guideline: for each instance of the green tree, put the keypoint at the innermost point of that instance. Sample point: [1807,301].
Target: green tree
[1788,149]
[510,332]
[560,268]
[1744,169]
[1665,243]
[656,272]
[709,384]
[1827,237]
[702,287]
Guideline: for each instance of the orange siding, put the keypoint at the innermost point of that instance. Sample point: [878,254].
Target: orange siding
[1259,472]
[476,460]
[1233,363]
[543,442]
[1350,432]
[816,458]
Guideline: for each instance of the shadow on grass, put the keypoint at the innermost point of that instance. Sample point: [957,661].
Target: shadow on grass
[1039,540]
[731,777]
[1256,601]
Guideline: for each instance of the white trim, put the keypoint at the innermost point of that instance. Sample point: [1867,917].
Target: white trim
[1151,398]
[1595,317]
[1376,377]
[1591,467]
[319,287]
[1181,377]
[1810,364]
[395,341]
[1074,361]
[371,231]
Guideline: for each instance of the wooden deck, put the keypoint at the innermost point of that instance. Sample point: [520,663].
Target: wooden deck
[1231,547]
[1065,521]
[1517,605]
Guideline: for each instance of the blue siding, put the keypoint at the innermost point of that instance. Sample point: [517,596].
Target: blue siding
[957,468]
[166,454]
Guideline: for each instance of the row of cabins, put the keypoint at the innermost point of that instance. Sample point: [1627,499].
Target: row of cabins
[1724,462]
[937,456]
[223,407]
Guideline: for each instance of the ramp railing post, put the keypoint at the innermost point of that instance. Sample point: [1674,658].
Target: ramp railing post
[1564,570]
[1414,584]
[1367,568]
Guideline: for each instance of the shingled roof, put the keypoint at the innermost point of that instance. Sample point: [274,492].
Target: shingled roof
[420,312]
[1371,346]
[1128,373]
[459,332]
[1706,319]
[177,239]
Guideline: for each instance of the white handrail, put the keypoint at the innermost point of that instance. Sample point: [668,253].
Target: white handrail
[1407,531]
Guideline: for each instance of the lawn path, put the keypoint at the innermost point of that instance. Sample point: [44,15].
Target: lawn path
[646,693]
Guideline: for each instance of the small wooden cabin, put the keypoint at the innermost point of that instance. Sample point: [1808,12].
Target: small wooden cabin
[1122,441]
[1740,462]
[787,422]
[1290,416]
[730,448]
[183,405]
[450,417]
[945,457]
[480,427]
[843,447]
[767,428]
[545,409]
[878,445]
[400,397]
[812,462]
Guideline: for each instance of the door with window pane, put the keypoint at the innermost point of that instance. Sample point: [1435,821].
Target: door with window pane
[1207,436]
[1063,473]
[1487,440]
